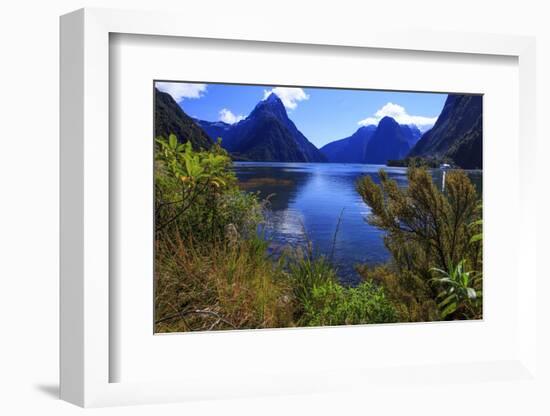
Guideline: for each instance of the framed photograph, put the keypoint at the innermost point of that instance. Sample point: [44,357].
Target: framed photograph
[306,217]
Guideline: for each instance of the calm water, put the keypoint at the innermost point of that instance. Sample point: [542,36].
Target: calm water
[307,200]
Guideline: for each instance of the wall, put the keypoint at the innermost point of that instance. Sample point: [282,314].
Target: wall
[29,178]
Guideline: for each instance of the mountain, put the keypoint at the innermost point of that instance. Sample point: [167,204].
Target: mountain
[267,134]
[171,119]
[352,149]
[393,139]
[457,133]
[390,141]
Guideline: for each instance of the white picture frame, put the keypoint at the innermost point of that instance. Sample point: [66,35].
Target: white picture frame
[86,357]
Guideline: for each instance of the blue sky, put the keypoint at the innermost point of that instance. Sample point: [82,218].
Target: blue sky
[321,114]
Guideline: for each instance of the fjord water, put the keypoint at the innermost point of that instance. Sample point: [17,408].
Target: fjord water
[307,200]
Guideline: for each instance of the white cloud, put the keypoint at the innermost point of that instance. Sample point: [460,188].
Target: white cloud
[228,117]
[181,90]
[400,115]
[288,95]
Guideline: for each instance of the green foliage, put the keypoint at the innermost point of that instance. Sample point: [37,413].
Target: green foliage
[321,300]
[477,225]
[307,272]
[196,193]
[193,168]
[332,304]
[412,299]
[461,294]
[425,228]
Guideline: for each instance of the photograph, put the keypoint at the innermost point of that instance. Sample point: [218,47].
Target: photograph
[288,206]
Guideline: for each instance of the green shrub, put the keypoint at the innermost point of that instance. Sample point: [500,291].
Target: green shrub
[196,194]
[425,228]
[411,297]
[333,304]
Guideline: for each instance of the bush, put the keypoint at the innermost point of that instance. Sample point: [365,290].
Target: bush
[411,297]
[333,304]
[424,229]
[196,193]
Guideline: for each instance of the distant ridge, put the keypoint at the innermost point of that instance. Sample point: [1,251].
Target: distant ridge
[352,149]
[216,129]
[374,144]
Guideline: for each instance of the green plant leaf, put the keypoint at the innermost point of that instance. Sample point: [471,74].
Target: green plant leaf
[476,237]
[173,141]
[449,309]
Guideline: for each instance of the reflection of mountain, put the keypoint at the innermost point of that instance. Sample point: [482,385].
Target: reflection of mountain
[457,133]
[171,119]
[267,134]
[374,144]
[283,186]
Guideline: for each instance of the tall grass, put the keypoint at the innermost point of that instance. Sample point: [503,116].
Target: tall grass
[307,272]
[224,286]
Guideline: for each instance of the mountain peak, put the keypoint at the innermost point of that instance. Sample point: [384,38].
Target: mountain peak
[387,121]
[273,105]
[389,142]
[273,98]
[267,134]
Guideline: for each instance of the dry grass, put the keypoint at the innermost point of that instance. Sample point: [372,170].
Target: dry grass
[226,286]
